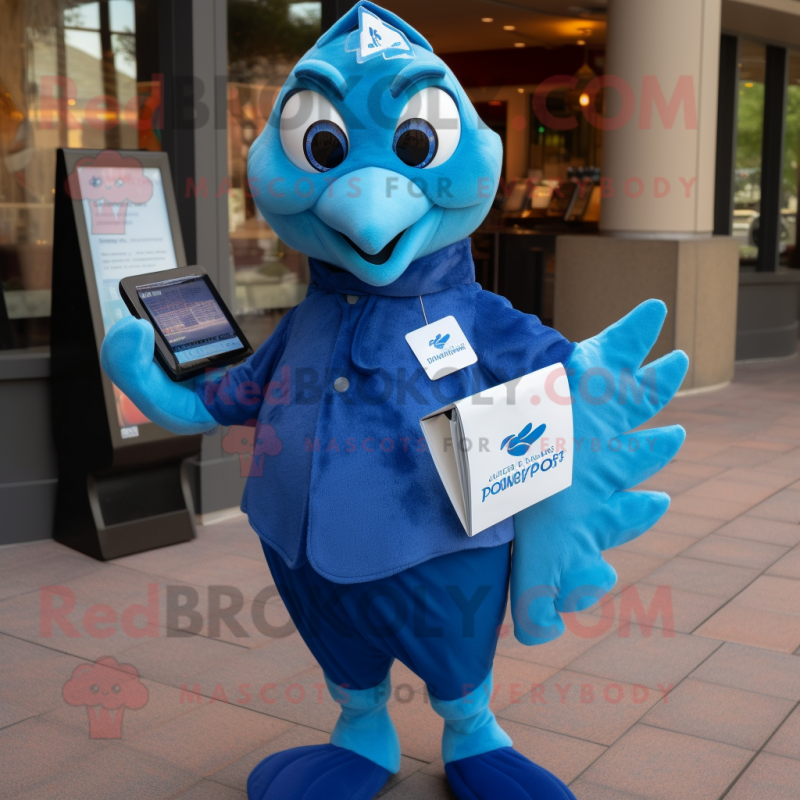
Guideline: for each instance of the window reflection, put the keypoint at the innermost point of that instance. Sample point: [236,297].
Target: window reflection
[68,78]
[749,136]
[789,255]
[265,40]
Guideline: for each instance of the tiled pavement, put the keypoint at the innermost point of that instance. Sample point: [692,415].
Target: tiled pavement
[685,683]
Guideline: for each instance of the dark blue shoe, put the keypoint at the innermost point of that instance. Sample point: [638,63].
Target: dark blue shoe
[504,773]
[316,772]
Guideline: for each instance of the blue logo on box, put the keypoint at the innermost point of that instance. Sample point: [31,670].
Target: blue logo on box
[440,341]
[520,444]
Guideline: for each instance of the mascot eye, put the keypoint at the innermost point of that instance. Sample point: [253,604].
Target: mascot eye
[415,142]
[428,129]
[313,133]
[325,145]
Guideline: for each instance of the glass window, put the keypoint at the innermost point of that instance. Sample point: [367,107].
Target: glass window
[749,136]
[791,173]
[68,78]
[265,40]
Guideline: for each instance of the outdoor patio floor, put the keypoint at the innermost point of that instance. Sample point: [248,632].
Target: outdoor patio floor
[699,701]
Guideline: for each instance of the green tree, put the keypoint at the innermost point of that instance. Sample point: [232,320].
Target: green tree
[263,30]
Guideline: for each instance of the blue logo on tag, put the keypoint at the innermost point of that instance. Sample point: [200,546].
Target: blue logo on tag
[520,444]
[440,341]
[375,37]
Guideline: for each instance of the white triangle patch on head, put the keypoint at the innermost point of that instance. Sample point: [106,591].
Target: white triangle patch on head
[375,37]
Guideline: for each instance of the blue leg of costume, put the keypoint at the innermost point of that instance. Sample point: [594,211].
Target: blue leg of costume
[441,619]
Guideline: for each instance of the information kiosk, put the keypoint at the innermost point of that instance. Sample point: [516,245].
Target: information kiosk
[122,483]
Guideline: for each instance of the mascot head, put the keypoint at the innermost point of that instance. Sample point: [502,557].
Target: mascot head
[373,155]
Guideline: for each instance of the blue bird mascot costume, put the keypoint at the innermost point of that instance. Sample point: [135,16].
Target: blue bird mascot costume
[375,163]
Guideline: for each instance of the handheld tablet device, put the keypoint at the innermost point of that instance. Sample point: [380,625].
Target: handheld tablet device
[194,329]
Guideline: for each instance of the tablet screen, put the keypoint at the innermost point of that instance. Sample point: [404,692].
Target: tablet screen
[189,317]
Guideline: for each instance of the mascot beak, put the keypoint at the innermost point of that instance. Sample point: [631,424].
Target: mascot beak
[371,208]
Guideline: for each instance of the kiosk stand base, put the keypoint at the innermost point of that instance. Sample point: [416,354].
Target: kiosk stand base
[117,514]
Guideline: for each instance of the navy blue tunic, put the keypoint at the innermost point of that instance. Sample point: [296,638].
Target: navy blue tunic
[341,476]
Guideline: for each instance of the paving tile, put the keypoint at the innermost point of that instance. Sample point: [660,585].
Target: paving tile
[753,626]
[648,656]
[276,664]
[56,569]
[593,791]
[235,774]
[738,552]
[115,773]
[758,529]
[40,749]
[702,577]
[418,726]
[175,660]
[40,618]
[720,713]
[581,633]
[12,713]
[661,607]
[418,786]
[767,444]
[408,766]
[769,776]
[731,491]
[737,456]
[631,567]
[788,566]
[662,765]
[783,506]
[787,464]
[582,706]
[659,544]
[564,756]
[168,562]
[36,684]
[752,669]
[164,703]
[513,678]
[700,448]
[706,507]
[23,555]
[212,736]
[756,477]
[208,790]
[687,524]
[772,593]
[786,741]
[117,587]
[301,698]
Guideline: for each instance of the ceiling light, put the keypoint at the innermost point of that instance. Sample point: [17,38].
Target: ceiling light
[519,44]
[521,90]
[584,100]
[580,42]
[748,85]
[509,27]
[487,19]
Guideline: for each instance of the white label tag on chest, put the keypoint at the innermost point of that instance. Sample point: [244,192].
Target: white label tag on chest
[441,348]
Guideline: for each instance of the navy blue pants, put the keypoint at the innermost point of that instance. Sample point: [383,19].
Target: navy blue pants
[441,619]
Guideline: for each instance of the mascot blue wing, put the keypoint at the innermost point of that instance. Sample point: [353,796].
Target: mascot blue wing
[558,564]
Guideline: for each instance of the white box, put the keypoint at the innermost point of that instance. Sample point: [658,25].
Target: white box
[504,449]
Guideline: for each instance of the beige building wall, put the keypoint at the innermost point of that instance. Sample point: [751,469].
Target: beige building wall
[662,169]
